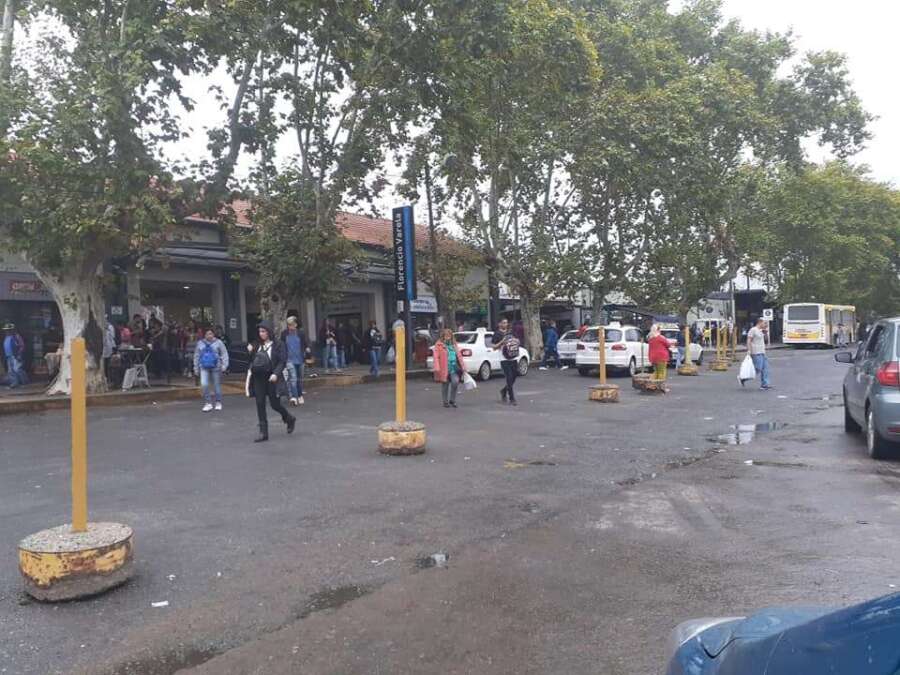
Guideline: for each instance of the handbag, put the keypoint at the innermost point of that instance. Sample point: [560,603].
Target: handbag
[469,382]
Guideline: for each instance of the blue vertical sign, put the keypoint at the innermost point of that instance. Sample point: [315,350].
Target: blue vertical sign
[405,254]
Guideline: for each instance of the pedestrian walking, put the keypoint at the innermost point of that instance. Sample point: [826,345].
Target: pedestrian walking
[756,347]
[328,346]
[680,347]
[659,354]
[14,353]
[508,345]
[551,343]
[449,366]
[265,379]
[374,343]
[210,362]
[294,342]
[109,346]
[707,336]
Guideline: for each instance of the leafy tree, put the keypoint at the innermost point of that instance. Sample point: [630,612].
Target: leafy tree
[451,263]
[80,179]
[828,234]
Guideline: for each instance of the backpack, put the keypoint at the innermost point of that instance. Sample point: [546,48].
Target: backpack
[377,340]
[261,364]
[510,348]
[209,357]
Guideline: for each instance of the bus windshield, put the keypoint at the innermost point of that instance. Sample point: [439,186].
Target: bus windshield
[803,313]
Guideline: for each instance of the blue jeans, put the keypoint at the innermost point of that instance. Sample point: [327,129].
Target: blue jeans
[216,375]
[548,352]
[679,357]
[374,356]
[295,379]
[16,375]
[761,363]
[329,356]
[341,358]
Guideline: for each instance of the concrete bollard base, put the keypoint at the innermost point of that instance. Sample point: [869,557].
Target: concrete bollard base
[689,370]
[720,366]
[58,564]
[604,393]
[401,438]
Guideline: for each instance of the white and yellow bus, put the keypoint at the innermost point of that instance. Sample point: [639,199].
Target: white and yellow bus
[812,323]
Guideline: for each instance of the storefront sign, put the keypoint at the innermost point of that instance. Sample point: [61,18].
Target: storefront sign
[425,305]
[116,310]
[232,323]
[18,286]
[404,253]
[26,287]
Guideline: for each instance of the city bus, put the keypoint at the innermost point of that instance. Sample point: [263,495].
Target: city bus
[812,323]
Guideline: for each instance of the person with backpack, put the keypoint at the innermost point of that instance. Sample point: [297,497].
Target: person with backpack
[508,345]
[210,361]
[14,352]
[449,367]
[265,379]
[374,343]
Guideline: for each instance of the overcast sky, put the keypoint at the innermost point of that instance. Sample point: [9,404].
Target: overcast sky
[865,30]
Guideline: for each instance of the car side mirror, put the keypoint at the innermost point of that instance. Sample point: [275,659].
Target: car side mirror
[843,357]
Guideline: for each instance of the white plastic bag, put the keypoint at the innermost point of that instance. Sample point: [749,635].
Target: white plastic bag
[469,382]
[391,355]
[748,370]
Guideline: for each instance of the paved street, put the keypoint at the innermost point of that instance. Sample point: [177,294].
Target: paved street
[577,534]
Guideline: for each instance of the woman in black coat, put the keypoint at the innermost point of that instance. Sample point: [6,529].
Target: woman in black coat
[265,379]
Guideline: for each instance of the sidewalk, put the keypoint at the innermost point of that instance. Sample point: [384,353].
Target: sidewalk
[31,398]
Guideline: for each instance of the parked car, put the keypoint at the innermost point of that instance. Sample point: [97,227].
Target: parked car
[567,347]
[672,332]
[481,359]
[625,350]
[872,389]
[860,640]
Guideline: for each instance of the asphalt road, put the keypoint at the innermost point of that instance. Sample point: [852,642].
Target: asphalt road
[577,534]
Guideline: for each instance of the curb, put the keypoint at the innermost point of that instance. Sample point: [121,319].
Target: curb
[30,404]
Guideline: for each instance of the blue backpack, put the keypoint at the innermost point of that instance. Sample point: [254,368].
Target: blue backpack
[209,357]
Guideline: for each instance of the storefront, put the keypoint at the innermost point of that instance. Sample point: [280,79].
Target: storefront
[26,302]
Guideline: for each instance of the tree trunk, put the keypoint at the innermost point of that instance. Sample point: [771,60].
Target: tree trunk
[82,308]
[273,306]
[6,41]
[597,302]
[531,319]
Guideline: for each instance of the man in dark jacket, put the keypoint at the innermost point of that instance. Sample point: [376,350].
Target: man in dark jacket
[265,379]
[551,342]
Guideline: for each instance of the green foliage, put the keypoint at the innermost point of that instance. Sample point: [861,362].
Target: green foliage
[452,267]
[828,234]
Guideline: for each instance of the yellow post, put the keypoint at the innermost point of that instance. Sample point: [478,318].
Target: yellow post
[400,351]
[602,347]
[79,436]
[734,343]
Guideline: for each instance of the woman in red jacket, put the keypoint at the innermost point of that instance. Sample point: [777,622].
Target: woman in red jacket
[449,367]
[659,353]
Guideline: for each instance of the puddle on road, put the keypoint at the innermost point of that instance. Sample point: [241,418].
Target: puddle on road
[741,434]
[333,598]
[167,663]
[516,464]
[427,562]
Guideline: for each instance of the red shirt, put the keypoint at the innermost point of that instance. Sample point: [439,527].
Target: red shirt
[659,349]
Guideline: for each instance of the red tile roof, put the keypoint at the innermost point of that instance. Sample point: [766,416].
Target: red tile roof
[357,227]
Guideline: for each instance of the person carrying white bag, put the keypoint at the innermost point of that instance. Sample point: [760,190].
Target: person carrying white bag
[747,372]
[449,366]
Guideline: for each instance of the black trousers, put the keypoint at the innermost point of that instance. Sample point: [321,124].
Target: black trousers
[511,372]
[262,390]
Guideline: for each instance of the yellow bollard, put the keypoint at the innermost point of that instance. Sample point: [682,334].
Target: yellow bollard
[401,437]
[604,393]
[80,559]
[79,436]
[687,367]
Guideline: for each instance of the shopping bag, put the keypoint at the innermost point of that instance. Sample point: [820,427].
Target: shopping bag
[469,382]
[391,355]
[748,370]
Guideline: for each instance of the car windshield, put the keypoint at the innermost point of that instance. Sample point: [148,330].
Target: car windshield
[466,338]
[803,313]
[571,335]
[592,335]
[671,334]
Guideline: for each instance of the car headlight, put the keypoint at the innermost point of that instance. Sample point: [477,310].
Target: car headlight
[688,630]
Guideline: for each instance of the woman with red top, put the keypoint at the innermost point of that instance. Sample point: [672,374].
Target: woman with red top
[659,352]
[449,367]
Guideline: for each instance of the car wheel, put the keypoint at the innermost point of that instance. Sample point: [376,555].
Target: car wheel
[632,367]
[878,447]
[484,373]
[523,367]
[851,426]
[584,372]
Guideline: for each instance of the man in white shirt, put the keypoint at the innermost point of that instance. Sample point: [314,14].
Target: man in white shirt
[756,347]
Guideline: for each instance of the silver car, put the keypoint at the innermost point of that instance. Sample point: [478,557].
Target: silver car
[872,389]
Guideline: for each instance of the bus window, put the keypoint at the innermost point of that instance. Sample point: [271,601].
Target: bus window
[803,313]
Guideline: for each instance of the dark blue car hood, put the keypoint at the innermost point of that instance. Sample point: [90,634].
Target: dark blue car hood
[860,640]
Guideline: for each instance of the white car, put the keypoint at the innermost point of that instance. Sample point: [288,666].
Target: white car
[695,350]
[567,347]
[624,350]
[482,360]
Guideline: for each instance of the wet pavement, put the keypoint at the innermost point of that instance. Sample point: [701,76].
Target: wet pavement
[562,536]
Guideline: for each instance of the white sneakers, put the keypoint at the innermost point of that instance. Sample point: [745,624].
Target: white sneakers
[218,406]
[207,407]
[297,401]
